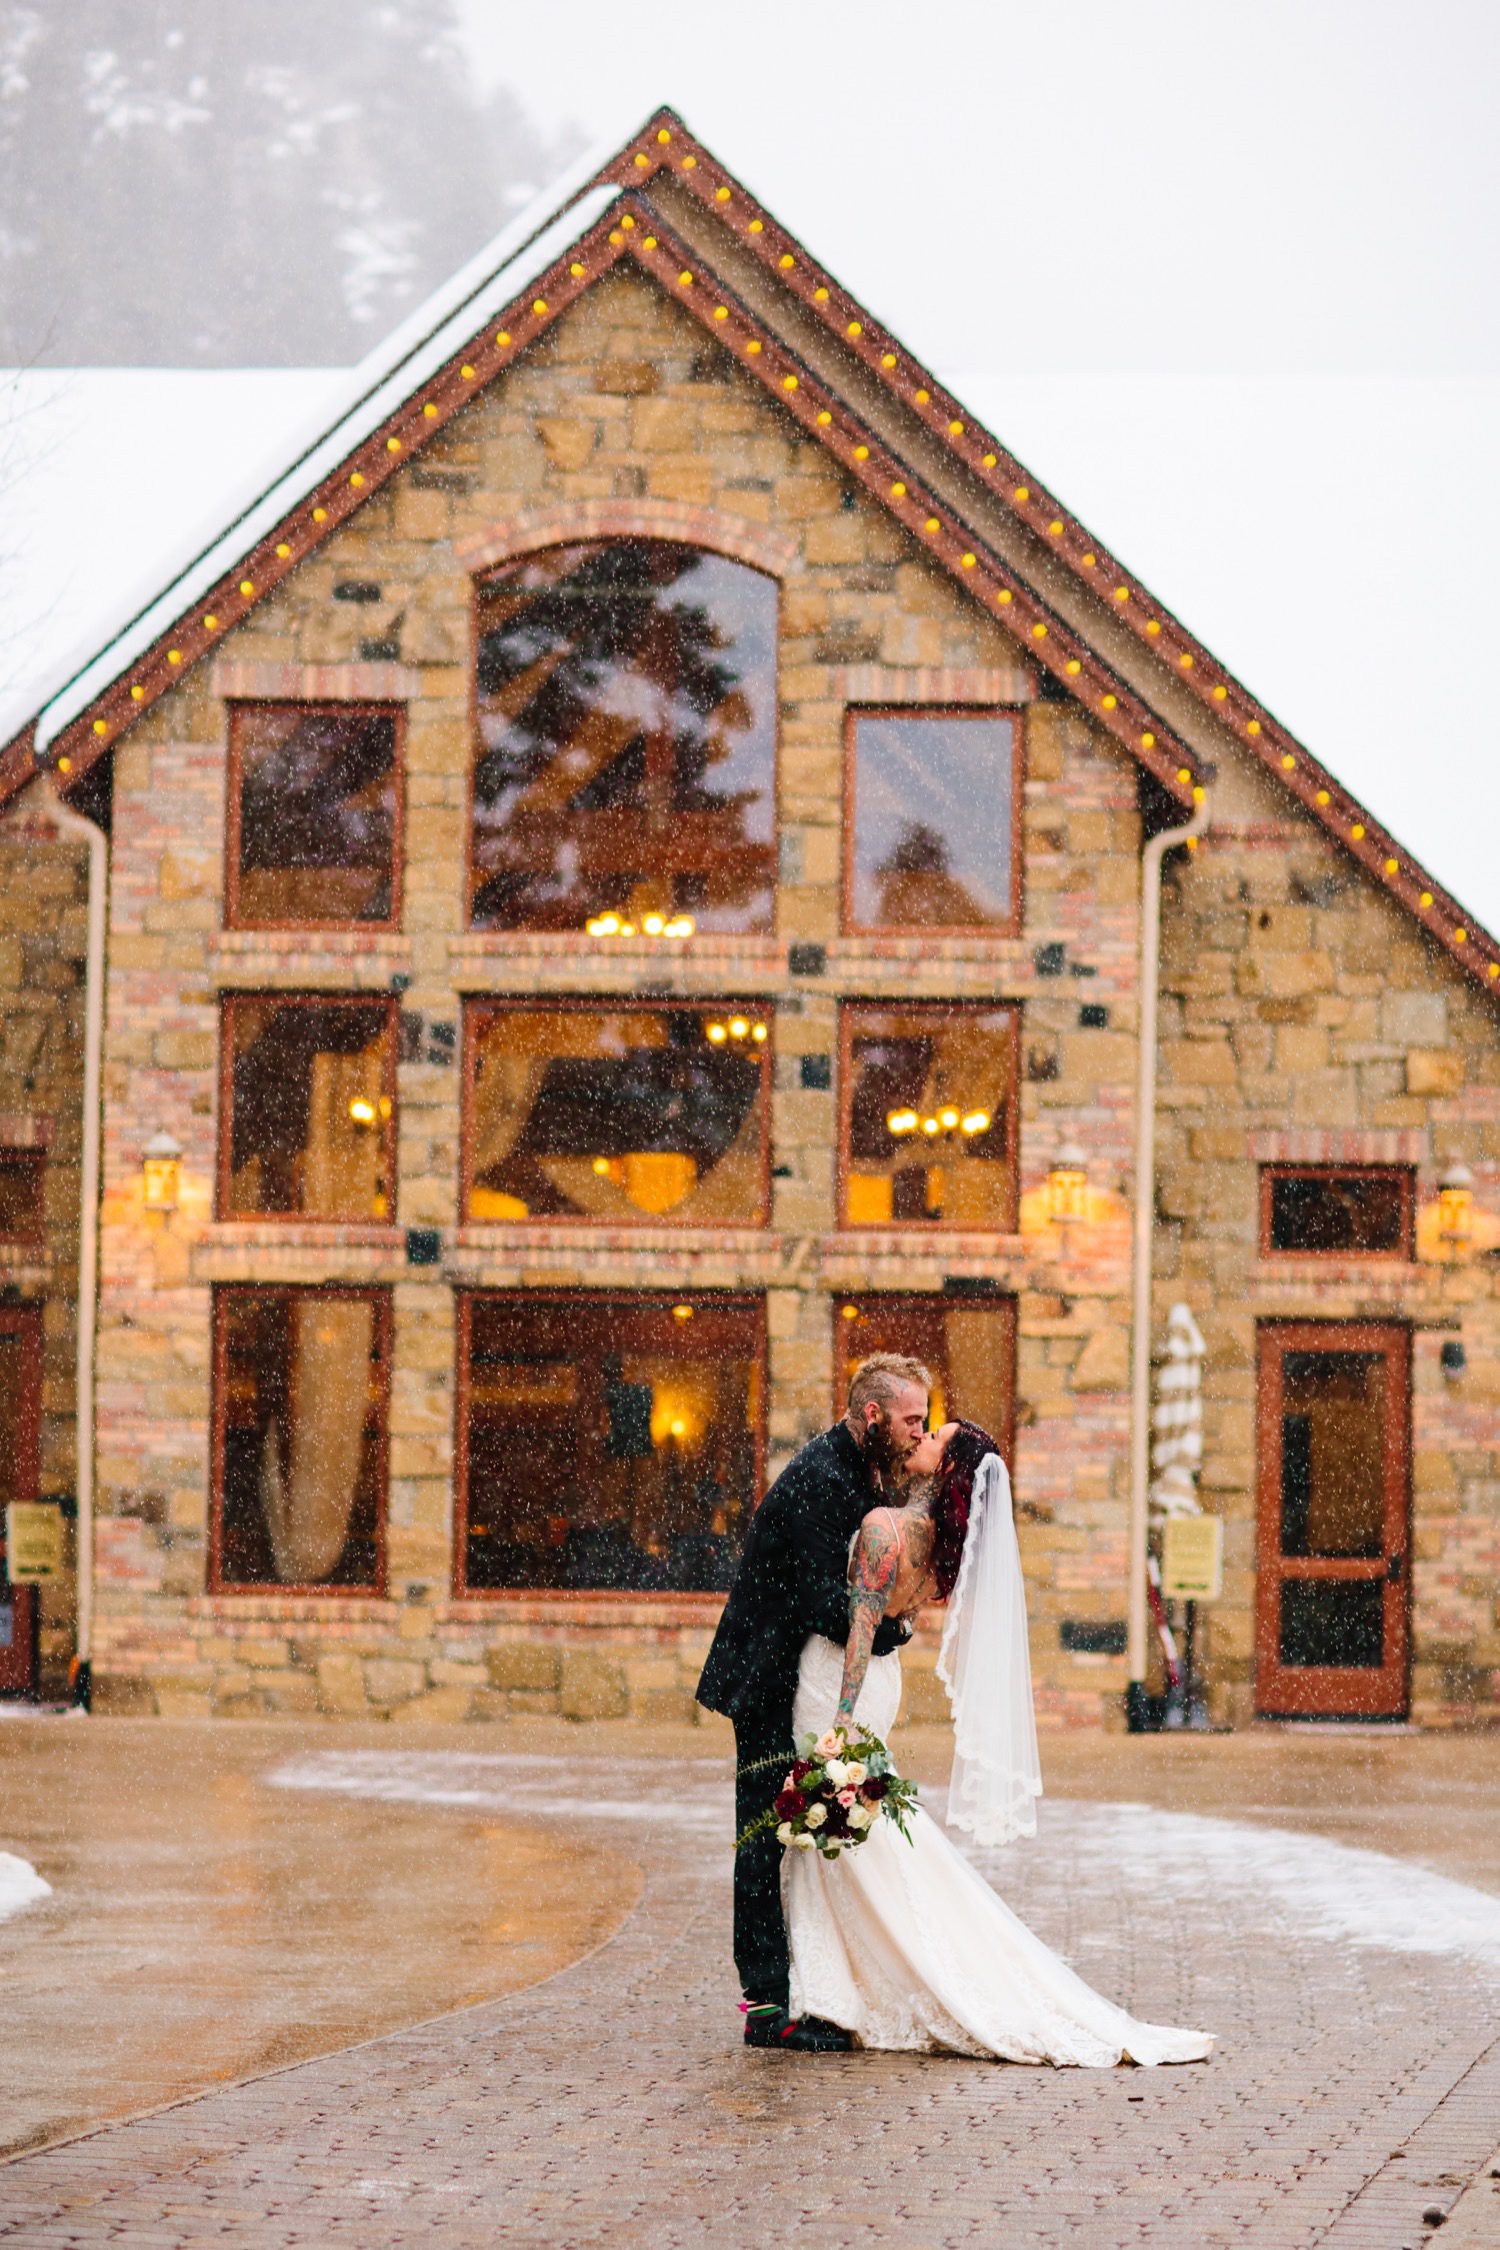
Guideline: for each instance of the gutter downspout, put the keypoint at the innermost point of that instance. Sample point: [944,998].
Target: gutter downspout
[1144,1223]
[74,824]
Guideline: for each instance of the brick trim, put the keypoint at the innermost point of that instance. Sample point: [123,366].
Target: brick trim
[958,683]
[1339,1146]
[246,680]
[735,536]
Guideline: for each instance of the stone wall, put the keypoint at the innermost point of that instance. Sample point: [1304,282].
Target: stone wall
[621,419]
[1306,1018]
[43,940]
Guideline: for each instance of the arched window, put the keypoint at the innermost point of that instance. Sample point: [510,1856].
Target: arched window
[626,754]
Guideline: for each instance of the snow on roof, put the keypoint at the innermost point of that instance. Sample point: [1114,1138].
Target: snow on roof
[407,357]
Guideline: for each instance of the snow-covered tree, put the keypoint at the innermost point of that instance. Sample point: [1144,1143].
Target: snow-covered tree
[198,183]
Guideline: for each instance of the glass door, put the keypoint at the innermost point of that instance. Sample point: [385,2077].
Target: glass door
[20,1403]
[1334,1444]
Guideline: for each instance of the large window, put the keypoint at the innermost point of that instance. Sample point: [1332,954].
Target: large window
[626,761]
[1336,1211]
[929,1116]
[22,1177]
[607,1443]
[301,1379]
[623,1114]
[967,1343]
[314,815]
[932,819]
[307,1120]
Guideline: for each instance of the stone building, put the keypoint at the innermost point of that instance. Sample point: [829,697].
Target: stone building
[625,894]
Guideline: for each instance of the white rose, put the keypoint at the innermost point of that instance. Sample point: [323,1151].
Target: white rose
[784,1833]
[854,1773]
[837,1772]
[802,1843]
[861,1817]
[816,1815]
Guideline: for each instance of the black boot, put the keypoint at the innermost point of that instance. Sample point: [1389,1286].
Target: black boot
[814,2035]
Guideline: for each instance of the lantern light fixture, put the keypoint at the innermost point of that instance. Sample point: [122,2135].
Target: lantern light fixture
[1456,1208]
[161,1169]
[1067,1183]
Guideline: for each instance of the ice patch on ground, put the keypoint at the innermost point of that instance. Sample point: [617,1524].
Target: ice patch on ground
[528,1786]
[20,1885]
[1275,1879]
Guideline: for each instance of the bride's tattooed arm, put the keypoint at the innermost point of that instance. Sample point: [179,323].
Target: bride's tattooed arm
[877,1561]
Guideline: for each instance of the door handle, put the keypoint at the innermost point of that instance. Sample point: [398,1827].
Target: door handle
[1395,1569]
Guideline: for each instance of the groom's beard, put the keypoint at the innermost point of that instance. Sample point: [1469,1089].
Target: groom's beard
[882,1450]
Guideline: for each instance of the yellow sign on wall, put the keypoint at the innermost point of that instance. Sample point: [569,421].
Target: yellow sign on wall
[33,1541]
[1192,1558]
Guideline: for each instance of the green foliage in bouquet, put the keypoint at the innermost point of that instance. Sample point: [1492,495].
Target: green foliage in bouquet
[839,1785]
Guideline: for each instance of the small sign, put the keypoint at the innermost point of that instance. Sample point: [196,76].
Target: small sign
[33,1541]
[1192,1558]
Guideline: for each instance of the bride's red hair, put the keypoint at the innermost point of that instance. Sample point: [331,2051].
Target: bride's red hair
[951,1501]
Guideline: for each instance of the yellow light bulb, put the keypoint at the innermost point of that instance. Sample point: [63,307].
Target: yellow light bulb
[1022,493]
[627,929]
[786,261]
[721,195]
[503,338]
[663,136]
[932,524]
[887,359]
[1148,742]
[137,694]
[210,624]
[1358,832]
[1323,797]
[601,1167]
[789,382]
[320,515]
[467,372]
[1089,562]
[174,656]
[282,549]
[1122,593]
[855,327]
[977,1121]
[1460,937]
[682,1312]
[247,587]
[820,296]
[576,270]
[929,1126]
[947,1118]
[1253,727]
[392,445]
[721,312]
[922,397]
[849,1312]
[1391,866]
[654,924]
[738,1028]
[1074,666]
[968,561]
[539,306]
[717,1034]
[101,726]
[357,479]
[1039,631]
[824,418]
[898,492]
[758,1032]
[678,1426]
[1003,596]
[65,765]
[1055,528]
[1108,702]
[362,1111]
[1184,773]
[989,460]
[955,429]
[686,279]
[1220,692]
[1426,898]
[753,346]
[861,453]
[649,242]
[757,226]
[1287,761]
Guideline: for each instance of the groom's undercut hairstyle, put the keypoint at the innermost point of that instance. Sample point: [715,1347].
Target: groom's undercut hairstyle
[881,1376]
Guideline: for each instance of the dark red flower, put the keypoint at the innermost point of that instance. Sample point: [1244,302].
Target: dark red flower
[874,1788]
[838,1820]
[802,1769]
[789,1804]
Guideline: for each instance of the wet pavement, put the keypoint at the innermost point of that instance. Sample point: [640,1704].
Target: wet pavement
[1330,1905]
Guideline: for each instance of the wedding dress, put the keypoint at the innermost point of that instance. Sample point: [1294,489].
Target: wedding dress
[905,1944]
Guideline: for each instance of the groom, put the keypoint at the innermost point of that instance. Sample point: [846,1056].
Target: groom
[793,1580]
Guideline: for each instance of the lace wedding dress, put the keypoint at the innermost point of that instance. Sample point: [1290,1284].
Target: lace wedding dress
[906,1945]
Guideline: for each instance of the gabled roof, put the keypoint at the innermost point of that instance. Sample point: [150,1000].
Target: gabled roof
[664,203]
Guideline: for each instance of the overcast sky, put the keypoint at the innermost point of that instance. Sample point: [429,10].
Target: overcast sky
[1223,276]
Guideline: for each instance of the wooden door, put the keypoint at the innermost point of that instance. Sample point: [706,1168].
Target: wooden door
[1334,1446]
[20,1421]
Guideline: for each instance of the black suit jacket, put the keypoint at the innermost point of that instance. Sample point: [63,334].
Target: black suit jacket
[793,1579]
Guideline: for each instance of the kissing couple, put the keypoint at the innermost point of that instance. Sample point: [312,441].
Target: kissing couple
[898,1945]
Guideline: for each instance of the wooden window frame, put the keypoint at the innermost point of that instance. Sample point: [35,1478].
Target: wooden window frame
[691,1604]
[495,571]
[33,1161]
[1405,1177]
[224,1293]
[478,1007]
[952,1302]
[380,1002]
[240,708]
[1011,926]
[849,1009]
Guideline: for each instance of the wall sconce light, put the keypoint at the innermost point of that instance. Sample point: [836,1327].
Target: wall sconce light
[161,1169]
[1456,1209]
[1452,1358]
[1068,1184]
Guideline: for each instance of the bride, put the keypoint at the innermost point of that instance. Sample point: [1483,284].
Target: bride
[904,1944]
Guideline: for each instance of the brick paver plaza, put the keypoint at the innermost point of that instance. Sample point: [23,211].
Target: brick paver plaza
[1357,2085]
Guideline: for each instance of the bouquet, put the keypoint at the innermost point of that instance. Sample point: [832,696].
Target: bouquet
[839,1785]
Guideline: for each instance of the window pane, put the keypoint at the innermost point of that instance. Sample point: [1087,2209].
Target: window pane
[625,1116]
[968,1347]
[1328,1621]
[311,1128]
[627,740]
[316,814]
[1350,1212]
[611,1442]
[932,819]
[928,1117]
[1333,1413]
[21,1175]
[301,1427]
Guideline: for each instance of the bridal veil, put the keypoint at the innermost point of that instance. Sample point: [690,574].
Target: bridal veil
[985,1665]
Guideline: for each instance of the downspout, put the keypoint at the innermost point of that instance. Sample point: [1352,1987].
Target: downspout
[74,824]
[1144,1225]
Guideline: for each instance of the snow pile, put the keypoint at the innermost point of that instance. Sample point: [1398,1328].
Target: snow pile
[20,1885]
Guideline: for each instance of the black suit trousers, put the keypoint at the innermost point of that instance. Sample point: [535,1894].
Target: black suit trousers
[763,1755]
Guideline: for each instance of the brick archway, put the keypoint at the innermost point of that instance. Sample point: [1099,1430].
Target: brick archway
[735,537]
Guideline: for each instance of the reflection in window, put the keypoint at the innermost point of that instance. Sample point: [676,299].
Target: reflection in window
[310,1126]
[1333,1468]
[300,1436]
[967,1345]
[609,1442]
[1340,1213]
[312,814]
[627,740]
[22,1172]
[929,1117]
[932,820]
[622,1115]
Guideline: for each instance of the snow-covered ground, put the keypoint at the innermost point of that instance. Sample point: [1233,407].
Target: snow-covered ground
[20,1885]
